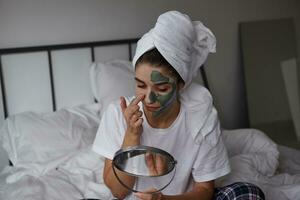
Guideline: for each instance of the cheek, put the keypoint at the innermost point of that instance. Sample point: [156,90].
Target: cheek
[168,97]
[139,91]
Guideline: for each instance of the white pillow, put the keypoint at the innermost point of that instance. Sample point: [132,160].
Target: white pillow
[261,151]
[112,79]
[42,138]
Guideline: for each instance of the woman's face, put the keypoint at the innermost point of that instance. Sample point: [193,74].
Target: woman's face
[159,87]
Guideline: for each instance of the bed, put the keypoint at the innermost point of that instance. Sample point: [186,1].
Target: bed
[52,114]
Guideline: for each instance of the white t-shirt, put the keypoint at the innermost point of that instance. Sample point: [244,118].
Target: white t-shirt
[203,160]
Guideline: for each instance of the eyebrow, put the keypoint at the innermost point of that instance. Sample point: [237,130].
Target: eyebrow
[161,82]
[138,80]
[155,83]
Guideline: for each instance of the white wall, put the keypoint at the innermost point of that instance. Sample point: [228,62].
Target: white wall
[37,22]
[41,22]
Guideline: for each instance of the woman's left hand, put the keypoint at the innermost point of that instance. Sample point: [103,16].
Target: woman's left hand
[150,194]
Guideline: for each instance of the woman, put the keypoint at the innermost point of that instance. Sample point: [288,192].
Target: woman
[170,113]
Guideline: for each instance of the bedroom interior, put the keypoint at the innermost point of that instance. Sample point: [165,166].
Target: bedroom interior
[64,38]
[269,53]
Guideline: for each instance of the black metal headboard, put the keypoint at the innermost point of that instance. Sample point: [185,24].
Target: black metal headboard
[49,49]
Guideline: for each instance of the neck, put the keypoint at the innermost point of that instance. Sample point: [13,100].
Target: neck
[164,119]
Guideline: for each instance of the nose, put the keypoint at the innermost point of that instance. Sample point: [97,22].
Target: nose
[150,97]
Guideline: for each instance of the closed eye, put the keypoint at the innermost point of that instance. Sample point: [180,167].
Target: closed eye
[141,86]
[139,83]
[163,88]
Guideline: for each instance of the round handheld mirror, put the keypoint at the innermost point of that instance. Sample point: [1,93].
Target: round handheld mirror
[144,161]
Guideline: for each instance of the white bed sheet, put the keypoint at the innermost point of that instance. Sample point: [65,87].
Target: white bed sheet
[77,178]
[251,151]
[254,158]
[75,174]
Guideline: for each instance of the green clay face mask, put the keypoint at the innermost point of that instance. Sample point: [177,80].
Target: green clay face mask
[164,100]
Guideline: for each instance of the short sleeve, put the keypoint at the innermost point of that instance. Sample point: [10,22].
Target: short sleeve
[212,161]
[111,132]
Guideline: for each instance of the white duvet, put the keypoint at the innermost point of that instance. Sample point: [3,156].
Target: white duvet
[76,178]
[256,159]
[52,156]
[73,171]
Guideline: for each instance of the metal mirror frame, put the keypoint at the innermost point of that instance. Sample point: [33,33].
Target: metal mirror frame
[132,151]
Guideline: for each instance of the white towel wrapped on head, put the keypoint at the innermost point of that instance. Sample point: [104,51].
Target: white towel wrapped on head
[185,44]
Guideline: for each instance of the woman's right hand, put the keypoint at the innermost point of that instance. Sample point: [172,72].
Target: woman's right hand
[133,116]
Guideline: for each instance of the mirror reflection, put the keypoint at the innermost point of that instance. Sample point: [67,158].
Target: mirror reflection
[272,78]
[144,161]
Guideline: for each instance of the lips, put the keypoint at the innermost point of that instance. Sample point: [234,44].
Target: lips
[151,108]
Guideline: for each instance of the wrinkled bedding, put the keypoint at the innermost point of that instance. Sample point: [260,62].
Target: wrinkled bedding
[76,178]
[51,155]
[256,159]
[73,171]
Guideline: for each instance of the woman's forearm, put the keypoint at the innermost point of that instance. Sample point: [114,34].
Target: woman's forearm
[111,181]
[130,139]
[117,189]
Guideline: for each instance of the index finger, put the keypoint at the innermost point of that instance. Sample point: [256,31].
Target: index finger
[123,104]
[136,100]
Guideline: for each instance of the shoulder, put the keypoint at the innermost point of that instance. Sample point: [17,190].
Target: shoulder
[196,95]
[113,110]
[201,116]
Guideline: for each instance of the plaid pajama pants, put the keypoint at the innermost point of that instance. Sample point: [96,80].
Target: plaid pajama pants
[239,191]
[235,191]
